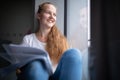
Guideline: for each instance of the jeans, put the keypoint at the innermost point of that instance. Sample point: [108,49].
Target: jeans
[69,68]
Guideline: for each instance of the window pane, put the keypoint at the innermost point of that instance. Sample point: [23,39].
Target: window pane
[78,23]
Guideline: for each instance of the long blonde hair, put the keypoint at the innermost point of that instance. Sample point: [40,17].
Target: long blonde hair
[56,44]
[56,41]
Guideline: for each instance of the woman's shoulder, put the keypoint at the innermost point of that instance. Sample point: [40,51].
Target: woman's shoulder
[29,35]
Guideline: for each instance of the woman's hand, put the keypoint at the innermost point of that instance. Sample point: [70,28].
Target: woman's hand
[18,71]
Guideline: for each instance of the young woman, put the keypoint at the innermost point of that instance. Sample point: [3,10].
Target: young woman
[66,63]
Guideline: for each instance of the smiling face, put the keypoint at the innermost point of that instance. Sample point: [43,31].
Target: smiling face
[47,16]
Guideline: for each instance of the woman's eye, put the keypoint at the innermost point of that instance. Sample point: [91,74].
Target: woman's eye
[54,14]
[48,12]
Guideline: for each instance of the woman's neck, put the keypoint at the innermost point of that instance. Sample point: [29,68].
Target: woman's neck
[42,34]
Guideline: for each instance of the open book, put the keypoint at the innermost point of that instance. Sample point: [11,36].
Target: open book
[19,56]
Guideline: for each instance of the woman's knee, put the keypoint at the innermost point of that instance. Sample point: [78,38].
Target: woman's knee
[34,67]
[34,64]
[34,70]
[73,55]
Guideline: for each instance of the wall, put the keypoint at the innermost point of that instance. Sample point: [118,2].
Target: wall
[15,19]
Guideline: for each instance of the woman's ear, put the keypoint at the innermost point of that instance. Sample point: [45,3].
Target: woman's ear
[38,16]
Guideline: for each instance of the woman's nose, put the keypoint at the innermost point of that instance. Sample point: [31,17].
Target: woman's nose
[52,16]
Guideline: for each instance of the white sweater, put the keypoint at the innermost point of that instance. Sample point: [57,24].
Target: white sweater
[32,41]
